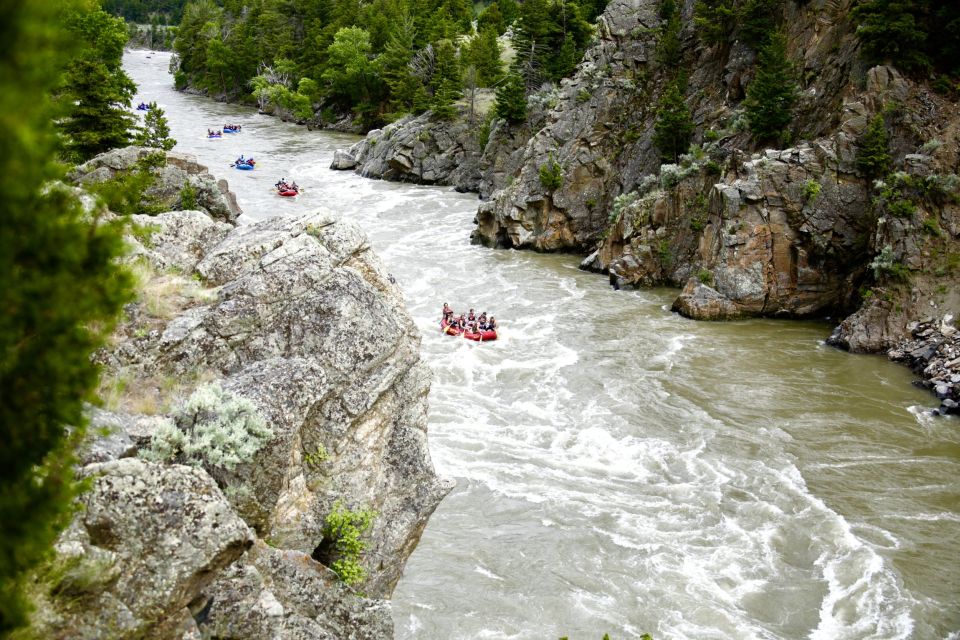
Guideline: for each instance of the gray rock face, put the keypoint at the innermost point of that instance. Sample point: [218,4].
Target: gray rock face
[177,239]
[284,595]
[301,319]
[150,539]
[212,195]
[418,149]
[600,131]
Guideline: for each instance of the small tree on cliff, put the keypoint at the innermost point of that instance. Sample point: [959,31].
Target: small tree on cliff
[511,102]
[772,94]
[873,156]
[674,125]
[61,292]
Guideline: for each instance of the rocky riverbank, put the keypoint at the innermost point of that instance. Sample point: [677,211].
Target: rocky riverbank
[933,352]
[265,386]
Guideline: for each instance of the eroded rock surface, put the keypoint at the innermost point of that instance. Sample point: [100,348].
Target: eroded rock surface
[299,317]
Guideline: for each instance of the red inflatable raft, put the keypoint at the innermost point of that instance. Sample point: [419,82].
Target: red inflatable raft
[478,336]
[288,193]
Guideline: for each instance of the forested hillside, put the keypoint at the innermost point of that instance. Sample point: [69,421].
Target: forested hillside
[374,61]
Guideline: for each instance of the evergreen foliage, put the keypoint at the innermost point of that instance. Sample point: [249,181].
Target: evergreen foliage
[873,154]
[551,174]
[511,104]
[374,59]
[673,128]
[772,94]
[723,21]
[914,35]
[155,131]
[95,93]
[445,81]
[61,292]
[483,52]
[668,49]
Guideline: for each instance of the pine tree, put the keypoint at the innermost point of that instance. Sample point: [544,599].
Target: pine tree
[511,102]
[873,155]
[889,33]
[674,125]
[772,94]
[96,91]
[61,291]
[446,81]
[483,52]
[155,131]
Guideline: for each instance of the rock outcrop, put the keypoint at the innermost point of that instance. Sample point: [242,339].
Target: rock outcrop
[419,149]
[297,316]
[171,176]
[149,540]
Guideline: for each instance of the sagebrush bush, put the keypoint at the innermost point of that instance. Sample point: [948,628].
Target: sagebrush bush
[215,427]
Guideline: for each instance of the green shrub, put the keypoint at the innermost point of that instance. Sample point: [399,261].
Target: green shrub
[551,175]
[188,197]
[883,264]
[932,227]
[215,427]
[343,529]
[705,276]
[811,189]
[673,127]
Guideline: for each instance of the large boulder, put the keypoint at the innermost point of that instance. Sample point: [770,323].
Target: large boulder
[274,594]
[149,540]
[420,149]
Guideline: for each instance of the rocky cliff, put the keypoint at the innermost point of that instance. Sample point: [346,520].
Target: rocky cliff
[800,231]
[199,524]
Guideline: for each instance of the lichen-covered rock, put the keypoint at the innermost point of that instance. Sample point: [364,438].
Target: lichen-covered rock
[274,594]
[150,538]
[178,170]
[420,149]
[307,324]
[176,239]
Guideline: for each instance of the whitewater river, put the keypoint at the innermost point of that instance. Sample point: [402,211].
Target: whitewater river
[621,469]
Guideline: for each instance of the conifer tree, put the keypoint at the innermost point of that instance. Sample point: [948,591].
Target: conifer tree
[511,104]
[889,33]
[155,131]
[674,125]
[96,91]
[446,81]
[483,52]
[61,291]
[873,155]
[772,94]
[394,64]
